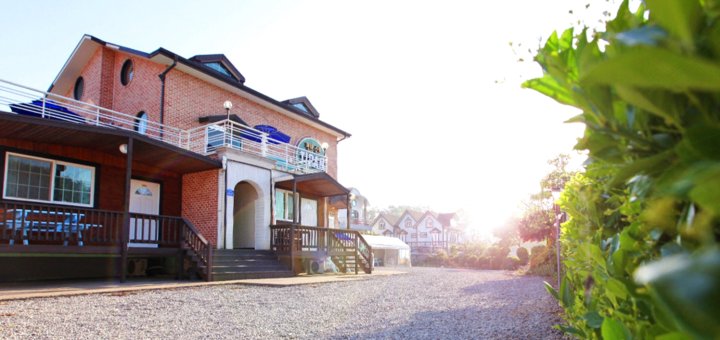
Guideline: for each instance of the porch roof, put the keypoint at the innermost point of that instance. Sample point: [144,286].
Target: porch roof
[146,150]
[318,184]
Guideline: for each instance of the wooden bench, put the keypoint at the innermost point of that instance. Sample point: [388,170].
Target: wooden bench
[45,221]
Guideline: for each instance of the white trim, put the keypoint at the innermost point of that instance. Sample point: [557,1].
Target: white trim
[51,184]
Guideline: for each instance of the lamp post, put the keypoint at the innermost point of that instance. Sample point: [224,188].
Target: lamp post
[227,105]
[558,216]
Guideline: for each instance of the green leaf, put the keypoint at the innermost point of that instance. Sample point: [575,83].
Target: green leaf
[648,102]
[656,68]
[548,86]
[593,319]
[681,18]
[673,336]
[566,292]
[705,140]
[686,288]
[614,330]
[551,290]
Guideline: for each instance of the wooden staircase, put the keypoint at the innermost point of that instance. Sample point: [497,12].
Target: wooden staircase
[346,264]
[247,264]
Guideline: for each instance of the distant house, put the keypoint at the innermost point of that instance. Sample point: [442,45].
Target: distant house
[358,213]
[423,231]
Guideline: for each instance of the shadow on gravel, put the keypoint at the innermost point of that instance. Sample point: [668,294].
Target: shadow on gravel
[467,323]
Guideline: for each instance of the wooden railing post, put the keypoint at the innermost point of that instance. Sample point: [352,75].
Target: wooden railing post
[357,249]
[208,277]
[292,248]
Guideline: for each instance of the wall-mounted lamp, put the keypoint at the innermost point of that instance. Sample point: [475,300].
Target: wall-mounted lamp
[325,146]
[123,149]
[227,105]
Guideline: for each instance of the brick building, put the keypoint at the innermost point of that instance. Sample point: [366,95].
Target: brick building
[156,134]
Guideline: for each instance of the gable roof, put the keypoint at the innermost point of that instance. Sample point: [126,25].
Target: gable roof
[89,44]
[219,63]
[303,104]
[446,219]
[391,219]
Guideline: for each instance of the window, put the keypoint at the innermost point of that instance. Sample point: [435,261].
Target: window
[423,235]
[141,122]
[127,72]
[408,223]
[46,180]
[79,88]
[429,223]
[382,225]
[413,235]
[354,214]
[284,205]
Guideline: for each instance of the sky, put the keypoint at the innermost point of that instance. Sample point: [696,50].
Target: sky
[429,90]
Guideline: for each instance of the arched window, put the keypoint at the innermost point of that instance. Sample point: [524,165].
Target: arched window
[127,72]
[141,122]
[79,88]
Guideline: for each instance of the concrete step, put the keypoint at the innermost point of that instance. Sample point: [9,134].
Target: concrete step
[240,264]
[251,275]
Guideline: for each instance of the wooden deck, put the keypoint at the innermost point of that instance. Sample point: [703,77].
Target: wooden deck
[37,229]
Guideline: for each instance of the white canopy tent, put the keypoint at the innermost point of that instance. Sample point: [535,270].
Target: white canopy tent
[389,251]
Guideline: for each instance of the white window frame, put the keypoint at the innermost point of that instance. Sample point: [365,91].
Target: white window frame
[54,163]
[287,194]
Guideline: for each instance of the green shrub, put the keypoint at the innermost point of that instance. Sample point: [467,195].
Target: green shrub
[511,263]
[523,255]
[640,247]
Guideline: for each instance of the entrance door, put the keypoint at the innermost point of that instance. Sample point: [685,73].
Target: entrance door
[244,215]
[144,199]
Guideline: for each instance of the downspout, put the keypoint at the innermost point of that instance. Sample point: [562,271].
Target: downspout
[162,95]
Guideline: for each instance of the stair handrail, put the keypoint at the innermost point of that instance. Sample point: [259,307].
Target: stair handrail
[196,243]
[365,250]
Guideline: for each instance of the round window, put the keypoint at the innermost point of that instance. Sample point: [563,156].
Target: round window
[126,74]
[141,122]
[79,88]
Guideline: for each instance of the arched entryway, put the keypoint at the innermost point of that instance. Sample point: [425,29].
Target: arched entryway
[245,201]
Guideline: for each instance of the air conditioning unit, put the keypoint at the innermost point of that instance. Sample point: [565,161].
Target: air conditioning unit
[316,267]
[137,267]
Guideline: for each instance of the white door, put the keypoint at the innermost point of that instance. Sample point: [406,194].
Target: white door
[309,212]
[144,199]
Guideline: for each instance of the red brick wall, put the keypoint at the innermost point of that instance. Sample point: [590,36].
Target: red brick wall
[200,202]
[91,79]
[142,93]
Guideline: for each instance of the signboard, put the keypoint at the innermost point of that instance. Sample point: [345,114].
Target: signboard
[310,153]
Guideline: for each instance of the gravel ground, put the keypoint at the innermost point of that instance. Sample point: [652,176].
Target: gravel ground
[427,303]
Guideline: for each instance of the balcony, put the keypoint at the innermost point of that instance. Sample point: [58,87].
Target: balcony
[204,140]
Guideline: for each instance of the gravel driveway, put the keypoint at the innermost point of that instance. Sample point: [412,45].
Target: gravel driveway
[426,303]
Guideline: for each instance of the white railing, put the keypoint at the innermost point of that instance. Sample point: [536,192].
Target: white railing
[203,140]
[206,139]
[51,106]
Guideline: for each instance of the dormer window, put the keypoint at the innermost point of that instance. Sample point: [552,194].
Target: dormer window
[220,68]
[301,106]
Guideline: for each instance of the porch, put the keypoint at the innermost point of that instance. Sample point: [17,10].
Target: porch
[66,201]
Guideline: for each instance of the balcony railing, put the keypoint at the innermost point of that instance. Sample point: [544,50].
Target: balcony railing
[206,139]
[203,140]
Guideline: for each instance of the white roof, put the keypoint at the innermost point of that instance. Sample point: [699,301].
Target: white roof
[385,242]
